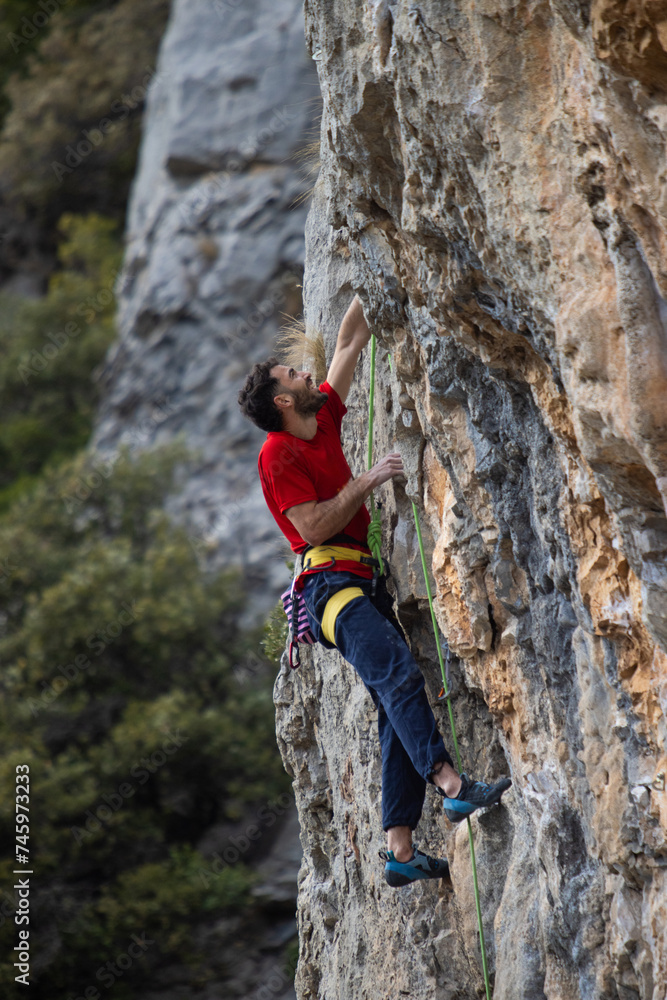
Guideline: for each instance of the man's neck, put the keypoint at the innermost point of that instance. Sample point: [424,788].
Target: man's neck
[301,427]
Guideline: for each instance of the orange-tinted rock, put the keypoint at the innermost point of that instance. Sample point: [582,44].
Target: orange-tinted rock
[497,175]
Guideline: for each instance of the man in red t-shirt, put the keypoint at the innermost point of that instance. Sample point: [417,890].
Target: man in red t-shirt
[318,504]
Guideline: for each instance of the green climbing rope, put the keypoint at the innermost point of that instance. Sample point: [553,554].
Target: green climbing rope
[375,534]
[374,537]
[445,685]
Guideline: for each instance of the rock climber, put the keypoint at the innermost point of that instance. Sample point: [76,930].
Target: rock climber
[320,508]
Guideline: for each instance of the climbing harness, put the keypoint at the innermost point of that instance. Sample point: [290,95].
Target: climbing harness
[445,694]
[321,557]
[297,617]
[326,556]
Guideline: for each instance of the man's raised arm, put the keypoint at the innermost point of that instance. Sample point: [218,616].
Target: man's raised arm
[353,336]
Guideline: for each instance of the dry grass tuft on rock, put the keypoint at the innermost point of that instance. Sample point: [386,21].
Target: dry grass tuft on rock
[298,347]
[309,162]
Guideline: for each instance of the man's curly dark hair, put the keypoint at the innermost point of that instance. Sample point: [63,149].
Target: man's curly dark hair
[257,395]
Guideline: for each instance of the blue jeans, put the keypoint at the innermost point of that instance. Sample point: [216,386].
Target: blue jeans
[369,636]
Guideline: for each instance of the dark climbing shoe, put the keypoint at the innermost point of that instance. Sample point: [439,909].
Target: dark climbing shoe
[473,795]
[420,866]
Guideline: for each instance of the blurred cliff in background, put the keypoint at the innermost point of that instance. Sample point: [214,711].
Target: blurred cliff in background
[214,258]
[137,563]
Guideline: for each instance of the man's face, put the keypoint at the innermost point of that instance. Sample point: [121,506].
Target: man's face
[299,384]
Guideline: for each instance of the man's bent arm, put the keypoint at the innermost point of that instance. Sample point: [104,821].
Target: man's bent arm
[353,336]
[316,522]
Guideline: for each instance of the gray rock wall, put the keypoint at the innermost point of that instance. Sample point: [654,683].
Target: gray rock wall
[493,185]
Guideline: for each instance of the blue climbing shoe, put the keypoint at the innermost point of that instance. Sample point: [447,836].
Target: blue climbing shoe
[473,795]
[419,866]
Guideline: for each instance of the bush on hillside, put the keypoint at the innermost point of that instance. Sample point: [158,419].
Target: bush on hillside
[125,689]
[48,349]
[70,137]
[23,28]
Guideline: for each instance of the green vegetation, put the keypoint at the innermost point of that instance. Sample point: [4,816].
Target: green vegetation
[48,349]
[74,79]
[142,709]
[275,632]
[23,28]
[125,691]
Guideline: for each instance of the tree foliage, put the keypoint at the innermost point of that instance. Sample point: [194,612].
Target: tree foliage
[23,28]
[143,711]
[48,349]
[83,65]
[142,708]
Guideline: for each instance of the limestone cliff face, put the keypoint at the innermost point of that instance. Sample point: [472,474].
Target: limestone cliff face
[493,183]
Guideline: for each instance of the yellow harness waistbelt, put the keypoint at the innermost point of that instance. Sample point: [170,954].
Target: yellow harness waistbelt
[321,554]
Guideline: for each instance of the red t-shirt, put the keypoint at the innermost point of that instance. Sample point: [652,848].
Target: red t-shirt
[293,471]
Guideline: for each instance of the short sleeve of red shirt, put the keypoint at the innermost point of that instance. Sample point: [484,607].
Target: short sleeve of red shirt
[335,405]
[293,471]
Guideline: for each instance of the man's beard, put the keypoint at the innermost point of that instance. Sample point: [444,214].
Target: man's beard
[307,402]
